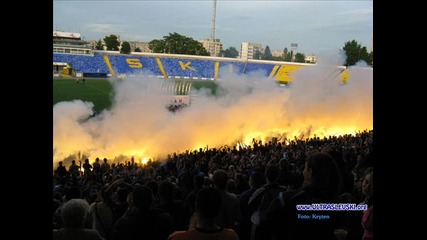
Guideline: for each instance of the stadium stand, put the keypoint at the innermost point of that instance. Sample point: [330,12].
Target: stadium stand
[173,67]
[191,68]
[74,57]
[83,63]
[129,64]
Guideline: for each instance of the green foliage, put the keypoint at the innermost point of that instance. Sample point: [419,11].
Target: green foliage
[138,49]
[111,42]
[257,55]
[355,52]
[300,57]
[125,48]
[177,44]
[99,45]
[285,53]
[267,54]
[157,46]
[289,56]
[230,52]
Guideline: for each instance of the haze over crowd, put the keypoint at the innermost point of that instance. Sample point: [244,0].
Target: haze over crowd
[316,103]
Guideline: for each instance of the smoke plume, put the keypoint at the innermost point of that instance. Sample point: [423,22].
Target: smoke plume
[316,103]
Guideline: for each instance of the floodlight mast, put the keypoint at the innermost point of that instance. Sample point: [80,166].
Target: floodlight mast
[213,29]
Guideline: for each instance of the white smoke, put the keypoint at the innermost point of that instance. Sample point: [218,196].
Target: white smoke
[246,107]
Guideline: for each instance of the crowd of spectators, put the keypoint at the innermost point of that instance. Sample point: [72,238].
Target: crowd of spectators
[258,184]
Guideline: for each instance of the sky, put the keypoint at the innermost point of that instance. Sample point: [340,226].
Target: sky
[316,26]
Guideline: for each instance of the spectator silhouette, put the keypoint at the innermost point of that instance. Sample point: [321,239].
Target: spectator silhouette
[208,206]
[74,169]
[190,201]
[61,171]
[229,217]
[142,219]
[87,167]
[175,207]
[76,222]
[256,180]
[322,183]
[97,166]
[102,213]
[262,198]
[368,215]
[105,167]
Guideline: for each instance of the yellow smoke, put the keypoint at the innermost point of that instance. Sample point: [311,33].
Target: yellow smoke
[316,103]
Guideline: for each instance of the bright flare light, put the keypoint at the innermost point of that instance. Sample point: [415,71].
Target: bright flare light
[254,107]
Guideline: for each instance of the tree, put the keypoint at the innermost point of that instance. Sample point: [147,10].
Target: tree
[278,58]
[111,42]
[157,46]
[177,44]
[125,48]
[138,49]
[99,45]
[230,52]
[300,57]
[355,52]
[285,53]
[289,56]
[267,54]
[371,58]
[257,55]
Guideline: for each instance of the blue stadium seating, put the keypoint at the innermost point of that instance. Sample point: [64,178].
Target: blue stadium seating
[171,66]
[192,68]
[127,64]
[261,68]
[83,63]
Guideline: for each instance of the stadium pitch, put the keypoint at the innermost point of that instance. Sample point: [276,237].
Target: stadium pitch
[101,92]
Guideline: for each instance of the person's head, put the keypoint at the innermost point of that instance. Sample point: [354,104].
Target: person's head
[239,177]
[220,178]
[256,179]
[231,186]
[368,182]
[187,166]
[198,180]
[321,173]
[154,186]
[122,194]
[166,190]
[74,213]
[55,205]
[142,197]
[206,181]
[283,164]
[272,171]
[208,202]
[72,192]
